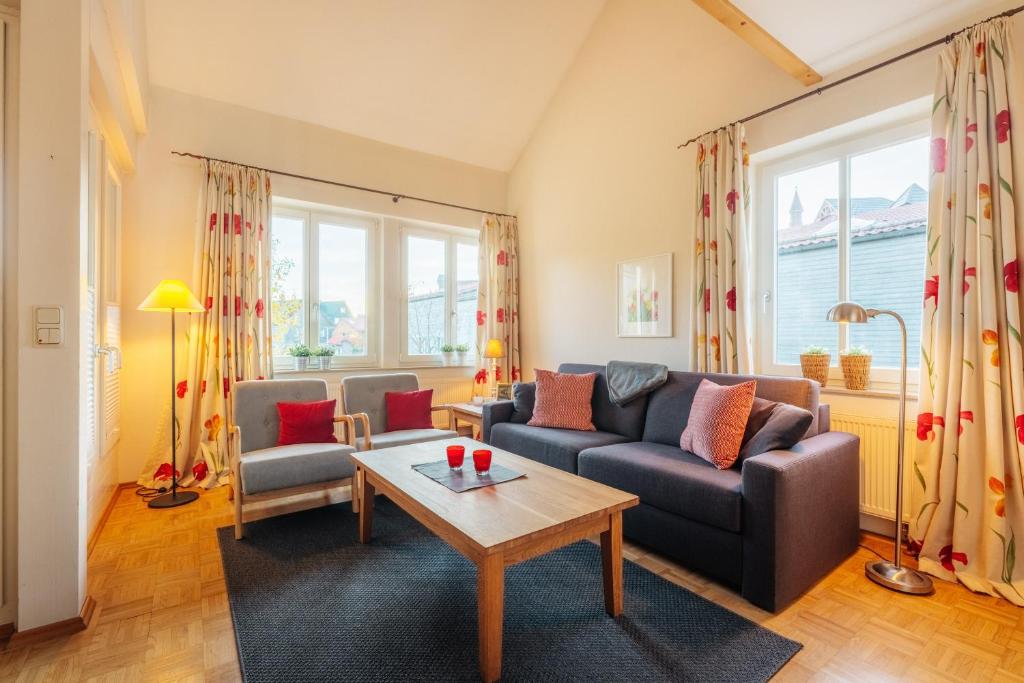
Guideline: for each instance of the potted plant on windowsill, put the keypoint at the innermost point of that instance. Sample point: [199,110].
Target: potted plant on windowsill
[460,353]
[301,353]
[814,364]
[448,353]
[324,355]
[856,365]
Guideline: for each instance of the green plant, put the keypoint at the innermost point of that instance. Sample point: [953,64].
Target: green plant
[300,351]
[462,348]
[447,348]
[323,351]
[815,351]
[857,351]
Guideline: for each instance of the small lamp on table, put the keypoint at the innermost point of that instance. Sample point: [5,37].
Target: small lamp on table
[493,351]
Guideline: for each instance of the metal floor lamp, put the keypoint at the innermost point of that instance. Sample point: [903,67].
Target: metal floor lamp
[892,575]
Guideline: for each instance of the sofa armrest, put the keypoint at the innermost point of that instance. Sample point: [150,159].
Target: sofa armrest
[493,413]
[801,516]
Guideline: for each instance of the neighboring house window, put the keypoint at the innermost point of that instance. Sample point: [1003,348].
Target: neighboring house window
[847,222]
[440,282]
[322,277]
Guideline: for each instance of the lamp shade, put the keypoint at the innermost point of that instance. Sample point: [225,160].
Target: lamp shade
[847,312]
[493,349]
[171,295]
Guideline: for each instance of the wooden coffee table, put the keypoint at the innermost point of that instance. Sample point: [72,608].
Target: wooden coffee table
[498,525]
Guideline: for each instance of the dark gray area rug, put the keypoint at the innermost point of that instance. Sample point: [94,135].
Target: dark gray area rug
[310,603]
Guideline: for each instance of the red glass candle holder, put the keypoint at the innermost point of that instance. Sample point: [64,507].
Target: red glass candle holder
[482,461]
[456,455]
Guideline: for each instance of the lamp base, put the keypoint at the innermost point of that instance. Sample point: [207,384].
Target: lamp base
[173,499]
[902,579]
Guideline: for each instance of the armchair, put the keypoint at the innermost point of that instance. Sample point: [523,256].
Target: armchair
[260,469]
[362,396]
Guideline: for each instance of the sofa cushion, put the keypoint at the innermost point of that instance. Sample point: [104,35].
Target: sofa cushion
[627,420]
[669,479]
[563,401]
[271,469]
[668,408]
[524,397]
[785,427]
[555,447]
[405,437]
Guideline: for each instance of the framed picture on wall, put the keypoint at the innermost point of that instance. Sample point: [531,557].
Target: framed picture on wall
[645,297]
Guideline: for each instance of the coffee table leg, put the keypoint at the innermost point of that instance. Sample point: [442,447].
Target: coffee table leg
[611,560]
[490,596]
[366,494]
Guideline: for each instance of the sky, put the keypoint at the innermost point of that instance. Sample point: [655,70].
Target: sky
[882,173]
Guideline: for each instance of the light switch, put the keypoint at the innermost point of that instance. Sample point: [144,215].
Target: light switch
[49,325]
[46,315]
[55,336]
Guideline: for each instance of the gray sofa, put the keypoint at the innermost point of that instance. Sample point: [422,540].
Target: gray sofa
[770,528]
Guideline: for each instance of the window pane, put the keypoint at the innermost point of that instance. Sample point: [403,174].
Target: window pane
[287,275]
[344,257]
[467,279]
[424,269]
[808,261]
[889,217]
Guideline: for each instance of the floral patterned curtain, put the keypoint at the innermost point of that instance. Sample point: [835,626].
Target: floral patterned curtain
[722,261]
[968,494]
[231,340]
[497,315]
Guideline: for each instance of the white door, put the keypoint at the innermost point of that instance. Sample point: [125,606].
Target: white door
[108,323]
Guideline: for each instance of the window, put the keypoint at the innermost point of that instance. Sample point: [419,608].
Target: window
[440,280]
[847,223]
[321,278]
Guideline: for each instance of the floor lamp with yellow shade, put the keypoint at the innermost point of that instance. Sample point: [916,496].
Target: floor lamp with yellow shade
[172,296]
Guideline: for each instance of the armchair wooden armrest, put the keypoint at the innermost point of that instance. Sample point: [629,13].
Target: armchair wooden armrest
[350,428]
[365,420]
[447,409]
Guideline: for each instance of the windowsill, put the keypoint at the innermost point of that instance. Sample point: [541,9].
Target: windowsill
[871,392]
[399,368]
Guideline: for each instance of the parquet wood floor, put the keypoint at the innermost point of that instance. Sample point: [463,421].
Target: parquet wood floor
[162,613]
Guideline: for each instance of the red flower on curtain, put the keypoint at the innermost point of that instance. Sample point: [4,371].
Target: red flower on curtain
[164,471]
[707,205]
[931,289]
[480,317]
[213,221]
[502,258]
[730,200]
[926,422]
[182,388]
[238,224]
[965,415]
[939,155]
[707,300]
[200,470]
[500,315]
[259,308]
[1010,276]
[209,303]
[481,376]
[968,140]
[497,373]
[202,389]
[999,489]
[238,306]
[947,556]
[224,306]
[227,387]
[226,222]
[1003,126]
[969,272]
[730,299]
[1019,424]
[515,373]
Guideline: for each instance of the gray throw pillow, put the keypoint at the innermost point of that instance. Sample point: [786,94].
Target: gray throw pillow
[524,396]
[784,429]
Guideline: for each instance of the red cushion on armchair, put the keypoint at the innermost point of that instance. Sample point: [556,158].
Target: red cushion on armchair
[306,422]
[408,409]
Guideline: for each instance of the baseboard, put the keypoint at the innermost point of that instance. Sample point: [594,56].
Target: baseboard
[107,509]
[6,631]
[882,526]
[57,629]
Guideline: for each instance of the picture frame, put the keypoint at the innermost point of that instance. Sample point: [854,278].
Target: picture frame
[644,297]
[504,392]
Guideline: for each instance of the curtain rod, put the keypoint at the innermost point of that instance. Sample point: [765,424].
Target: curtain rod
[863,72]
[395,196]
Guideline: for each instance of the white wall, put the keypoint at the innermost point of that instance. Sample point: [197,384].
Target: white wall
[52,153]
[161,213]
[601,179]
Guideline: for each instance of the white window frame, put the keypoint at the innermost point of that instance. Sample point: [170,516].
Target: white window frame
[767,244]
[451,238]
[311,219]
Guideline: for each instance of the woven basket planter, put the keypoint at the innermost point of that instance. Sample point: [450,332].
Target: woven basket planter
[815,366]
[856,371]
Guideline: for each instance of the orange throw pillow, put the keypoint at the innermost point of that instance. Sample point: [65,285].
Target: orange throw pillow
[563,401]
[718,418]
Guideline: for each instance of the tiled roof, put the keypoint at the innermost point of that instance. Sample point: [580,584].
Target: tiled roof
[908,212]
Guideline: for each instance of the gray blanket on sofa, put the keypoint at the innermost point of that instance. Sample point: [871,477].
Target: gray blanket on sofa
[628,380]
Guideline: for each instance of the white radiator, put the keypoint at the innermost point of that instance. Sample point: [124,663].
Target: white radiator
[878,462]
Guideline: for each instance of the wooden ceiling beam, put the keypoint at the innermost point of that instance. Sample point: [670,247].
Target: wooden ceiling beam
[759,39]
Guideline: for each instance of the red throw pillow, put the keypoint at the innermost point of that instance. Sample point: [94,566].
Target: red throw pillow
[408,409]
[306,422]
[718,418]
[563,401]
